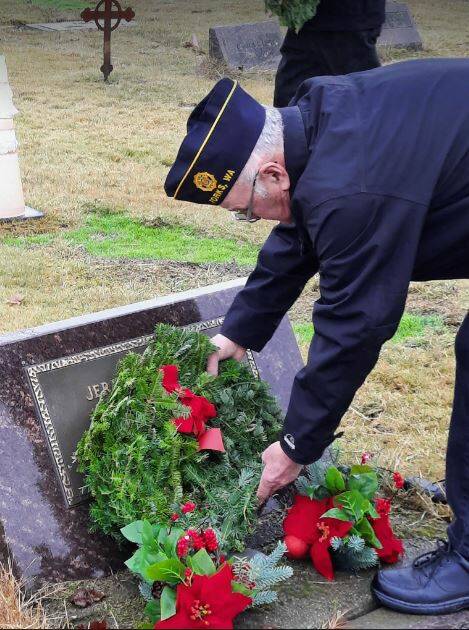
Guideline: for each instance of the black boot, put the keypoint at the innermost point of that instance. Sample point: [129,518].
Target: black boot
[436,583]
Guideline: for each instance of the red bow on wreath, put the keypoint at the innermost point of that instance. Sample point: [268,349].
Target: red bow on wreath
[201,410]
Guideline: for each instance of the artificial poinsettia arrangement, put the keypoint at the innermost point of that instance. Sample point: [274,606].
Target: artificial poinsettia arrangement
[187,578]
[338,520]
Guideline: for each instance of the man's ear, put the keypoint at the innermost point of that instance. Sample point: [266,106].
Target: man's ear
[275,171]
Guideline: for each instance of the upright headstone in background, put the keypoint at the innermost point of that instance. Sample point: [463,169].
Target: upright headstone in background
[247,46]
[50,380]
[399,29]
[256,46]
[11,190]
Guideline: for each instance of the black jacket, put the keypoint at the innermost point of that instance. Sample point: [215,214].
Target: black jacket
[379,163]
[347,15]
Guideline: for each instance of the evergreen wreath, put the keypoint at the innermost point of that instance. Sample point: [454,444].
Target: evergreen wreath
[292,13]
[138,466]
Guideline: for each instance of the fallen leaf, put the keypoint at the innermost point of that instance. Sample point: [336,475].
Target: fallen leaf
[85,597]
[15,300]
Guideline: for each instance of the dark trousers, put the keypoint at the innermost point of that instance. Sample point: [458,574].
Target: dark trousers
[457,462]
[317,53]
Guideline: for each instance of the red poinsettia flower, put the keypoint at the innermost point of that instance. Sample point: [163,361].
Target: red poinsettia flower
[327,529]
[303,517]
[392,547]
[209,602]
[305,529]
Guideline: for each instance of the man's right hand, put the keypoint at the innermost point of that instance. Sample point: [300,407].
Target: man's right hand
[227,350]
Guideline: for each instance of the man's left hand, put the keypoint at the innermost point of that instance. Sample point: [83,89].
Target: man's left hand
[279,471]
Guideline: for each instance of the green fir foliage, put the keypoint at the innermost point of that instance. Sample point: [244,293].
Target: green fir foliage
[348,559]
[293,13]
[137,466]
[265,572]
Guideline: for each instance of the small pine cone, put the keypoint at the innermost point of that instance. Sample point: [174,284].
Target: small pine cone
[197,540]
[210,539]
[182,547]
[157,589]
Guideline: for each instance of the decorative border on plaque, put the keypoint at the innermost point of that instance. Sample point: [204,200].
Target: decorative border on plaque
[91,355]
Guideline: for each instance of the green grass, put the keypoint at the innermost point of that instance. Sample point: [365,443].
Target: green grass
[22,241]
[108,234]
[64,5]
[410,327]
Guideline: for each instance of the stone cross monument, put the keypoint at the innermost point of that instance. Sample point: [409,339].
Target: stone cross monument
[112,14]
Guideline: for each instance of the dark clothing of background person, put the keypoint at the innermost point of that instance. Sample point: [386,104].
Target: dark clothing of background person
[379,166]
[341,38]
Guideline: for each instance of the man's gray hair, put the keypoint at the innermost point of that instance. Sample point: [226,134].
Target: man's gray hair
[268,146]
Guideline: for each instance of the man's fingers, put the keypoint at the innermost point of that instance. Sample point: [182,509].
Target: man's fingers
[212,364]
[266,489]
[264,492]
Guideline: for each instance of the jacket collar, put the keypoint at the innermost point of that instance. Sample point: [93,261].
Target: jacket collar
[295,145]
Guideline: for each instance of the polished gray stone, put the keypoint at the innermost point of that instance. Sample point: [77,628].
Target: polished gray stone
[50,378]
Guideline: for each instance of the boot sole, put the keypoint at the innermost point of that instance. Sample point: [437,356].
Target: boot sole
[453,606]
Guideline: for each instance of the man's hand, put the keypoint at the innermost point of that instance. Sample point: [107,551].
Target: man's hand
[279,471]
[227,350]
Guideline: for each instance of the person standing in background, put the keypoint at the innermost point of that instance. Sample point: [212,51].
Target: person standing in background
[339,39]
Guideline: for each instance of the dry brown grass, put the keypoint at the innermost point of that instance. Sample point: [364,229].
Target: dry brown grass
[83,142]
[16,609]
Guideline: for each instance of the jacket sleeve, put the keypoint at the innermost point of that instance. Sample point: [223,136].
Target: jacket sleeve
[282,270]
[366,245]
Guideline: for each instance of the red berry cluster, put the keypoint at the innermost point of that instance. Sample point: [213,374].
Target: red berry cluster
[182,547]
[210,540]
[399,480]
[187,508]
[366,458]
[194,541]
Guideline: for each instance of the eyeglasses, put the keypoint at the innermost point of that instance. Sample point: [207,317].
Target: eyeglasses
[248,214]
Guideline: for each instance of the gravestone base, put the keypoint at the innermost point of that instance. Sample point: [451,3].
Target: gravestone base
[399,29]
[29,213]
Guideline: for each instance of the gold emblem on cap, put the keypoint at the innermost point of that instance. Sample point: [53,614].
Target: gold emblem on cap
[205,181]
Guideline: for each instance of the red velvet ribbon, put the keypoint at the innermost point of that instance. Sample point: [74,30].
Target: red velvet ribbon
[201,410]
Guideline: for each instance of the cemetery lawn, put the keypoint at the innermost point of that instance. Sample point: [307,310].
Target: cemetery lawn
[94,157]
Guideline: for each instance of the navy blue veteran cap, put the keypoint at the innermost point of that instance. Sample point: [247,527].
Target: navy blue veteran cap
[222,131]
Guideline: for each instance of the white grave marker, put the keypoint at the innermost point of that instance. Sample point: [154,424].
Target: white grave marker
[12,204]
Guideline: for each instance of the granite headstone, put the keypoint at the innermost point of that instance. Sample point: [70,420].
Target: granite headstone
[399,29]
[50,380]
[247,46]
[257,45]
